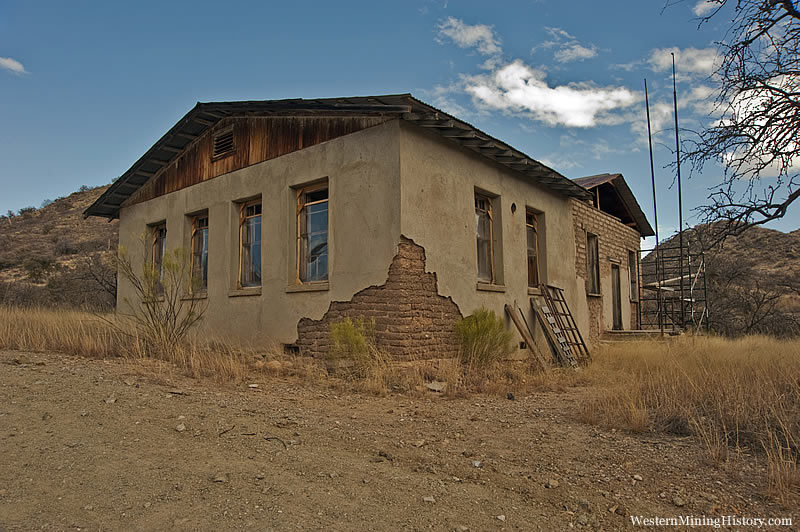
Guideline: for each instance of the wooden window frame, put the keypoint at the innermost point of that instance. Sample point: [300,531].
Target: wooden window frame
[481,196]
[300,207]
[633,275]
[535,227]
[195,228]
[592,273]
[158,265]
[243,217]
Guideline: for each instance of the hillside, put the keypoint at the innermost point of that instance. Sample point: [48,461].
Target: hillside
[52,255]
[753,279]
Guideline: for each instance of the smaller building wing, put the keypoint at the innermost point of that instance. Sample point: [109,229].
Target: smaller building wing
[612,195]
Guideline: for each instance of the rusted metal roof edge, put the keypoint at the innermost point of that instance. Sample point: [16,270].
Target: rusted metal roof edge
[205,115]
[625,194]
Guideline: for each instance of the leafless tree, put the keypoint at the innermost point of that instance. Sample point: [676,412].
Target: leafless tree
[757,137]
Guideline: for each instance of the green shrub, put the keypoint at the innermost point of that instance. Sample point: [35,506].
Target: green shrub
[353,344]
[484,339]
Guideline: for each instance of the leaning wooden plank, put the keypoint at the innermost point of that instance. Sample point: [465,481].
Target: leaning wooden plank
[548,333]
[523,331]
[534,347]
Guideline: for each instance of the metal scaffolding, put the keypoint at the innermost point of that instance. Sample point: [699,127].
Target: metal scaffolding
[674,294]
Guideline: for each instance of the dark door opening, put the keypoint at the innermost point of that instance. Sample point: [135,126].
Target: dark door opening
[616,300]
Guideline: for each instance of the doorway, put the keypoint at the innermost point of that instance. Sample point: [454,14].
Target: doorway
[616,299]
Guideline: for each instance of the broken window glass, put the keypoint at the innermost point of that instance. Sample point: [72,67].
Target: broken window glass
[250,235]
[312,217]
[199,254]
[483,219]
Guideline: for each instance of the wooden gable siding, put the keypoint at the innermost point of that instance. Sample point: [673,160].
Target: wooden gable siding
[256,139]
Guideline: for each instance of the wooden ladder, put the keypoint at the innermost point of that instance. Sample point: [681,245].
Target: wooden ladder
[562,324]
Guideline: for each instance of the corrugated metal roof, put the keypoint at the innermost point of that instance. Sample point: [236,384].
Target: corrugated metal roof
[625,194]
[404,106]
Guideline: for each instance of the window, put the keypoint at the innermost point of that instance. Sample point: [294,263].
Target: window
[484,231]
[159,243]
[633,275]
[312,233]
[592,265]
[223,144]
[250,250]
[199,254]
[532,233]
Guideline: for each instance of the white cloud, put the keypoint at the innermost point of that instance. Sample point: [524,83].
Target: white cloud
[13,65]
[561,161]
[479,36]
[575,52]
[567,47]
[704,7]
[518,88]
[700,61]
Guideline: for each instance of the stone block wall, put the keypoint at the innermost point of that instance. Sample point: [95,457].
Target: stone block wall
[614,240]
[411,319]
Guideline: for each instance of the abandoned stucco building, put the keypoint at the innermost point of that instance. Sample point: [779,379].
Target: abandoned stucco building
[301,212]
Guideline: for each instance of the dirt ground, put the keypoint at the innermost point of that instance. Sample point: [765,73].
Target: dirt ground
[98,445]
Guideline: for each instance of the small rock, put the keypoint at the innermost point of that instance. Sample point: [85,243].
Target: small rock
[436,386]
[147,504]
[46,416]
[462,528]
[551,484]
[428,499]
[477,463]
[260,476]
[181,427]
[418,443]
[88,507]
[384,454]
[220,477]
[638,478]
[678,501]
[129,381]
[620,510]
[21,359]
[501,517]
[110,400]
[583,520]
[510,396]
[84,413]
[252,385]
[585,505]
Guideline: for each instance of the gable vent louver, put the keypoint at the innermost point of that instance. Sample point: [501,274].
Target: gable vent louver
[223,144]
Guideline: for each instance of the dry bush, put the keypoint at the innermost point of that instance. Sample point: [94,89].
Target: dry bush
[484,339]
[733,395]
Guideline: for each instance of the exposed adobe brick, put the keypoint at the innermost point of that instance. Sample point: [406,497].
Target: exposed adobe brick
[615,239]
[411,319]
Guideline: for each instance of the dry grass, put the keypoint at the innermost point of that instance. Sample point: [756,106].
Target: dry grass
[740,396]
[84,334]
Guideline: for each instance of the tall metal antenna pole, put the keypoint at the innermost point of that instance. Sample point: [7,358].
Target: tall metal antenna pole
[680,193]
[655,210]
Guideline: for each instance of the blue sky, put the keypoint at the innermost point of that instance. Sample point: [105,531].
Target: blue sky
[87,87]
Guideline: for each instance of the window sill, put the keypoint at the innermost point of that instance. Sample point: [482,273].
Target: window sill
[534,291]
[488,287]
[190,297]
[243,292]
[308,287]
[589,294]
[157,299]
